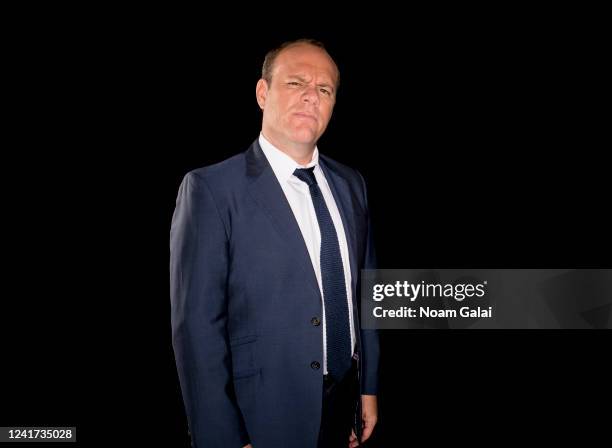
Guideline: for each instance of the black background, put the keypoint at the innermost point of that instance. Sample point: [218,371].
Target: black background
[481,135]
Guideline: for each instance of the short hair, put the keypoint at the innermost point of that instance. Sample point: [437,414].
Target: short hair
[268,65]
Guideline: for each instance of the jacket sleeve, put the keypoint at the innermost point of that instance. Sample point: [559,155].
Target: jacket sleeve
[198,278]
[369,338]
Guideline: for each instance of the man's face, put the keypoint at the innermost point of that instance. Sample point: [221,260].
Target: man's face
[298,103]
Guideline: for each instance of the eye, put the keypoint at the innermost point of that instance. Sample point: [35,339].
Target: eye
[326,92]
[293,83]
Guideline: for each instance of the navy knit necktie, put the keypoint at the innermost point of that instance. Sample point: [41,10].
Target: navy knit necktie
[334,286]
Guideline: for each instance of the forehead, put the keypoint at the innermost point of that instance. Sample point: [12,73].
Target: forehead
[305,59]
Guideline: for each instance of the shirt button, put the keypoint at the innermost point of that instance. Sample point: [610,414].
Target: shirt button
[315,321]
[315,365]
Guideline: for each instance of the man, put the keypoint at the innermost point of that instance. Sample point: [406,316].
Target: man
[266,249]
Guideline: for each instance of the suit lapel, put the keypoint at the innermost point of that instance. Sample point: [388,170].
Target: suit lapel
[267,192]
[342,195]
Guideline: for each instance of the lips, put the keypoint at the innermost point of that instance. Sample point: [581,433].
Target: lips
[305,115]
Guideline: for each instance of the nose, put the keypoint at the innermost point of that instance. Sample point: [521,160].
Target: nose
[310,95]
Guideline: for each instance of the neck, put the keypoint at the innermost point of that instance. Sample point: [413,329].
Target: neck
[301,153]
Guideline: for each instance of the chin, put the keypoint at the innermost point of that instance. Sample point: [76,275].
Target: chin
[304,136]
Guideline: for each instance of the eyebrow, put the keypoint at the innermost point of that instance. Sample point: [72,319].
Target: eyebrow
[302,79]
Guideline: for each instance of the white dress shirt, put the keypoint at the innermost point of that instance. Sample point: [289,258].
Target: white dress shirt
[297,193]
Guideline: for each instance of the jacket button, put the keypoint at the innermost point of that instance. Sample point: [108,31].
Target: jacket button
[315,321]
[315,365]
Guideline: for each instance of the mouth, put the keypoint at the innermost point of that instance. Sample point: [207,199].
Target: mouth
[305,115]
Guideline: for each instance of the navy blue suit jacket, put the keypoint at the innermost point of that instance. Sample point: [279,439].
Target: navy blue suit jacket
[243,294]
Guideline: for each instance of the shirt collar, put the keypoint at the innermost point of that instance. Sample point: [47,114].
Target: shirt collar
[282,164]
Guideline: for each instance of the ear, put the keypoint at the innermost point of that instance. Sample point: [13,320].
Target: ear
[261,92]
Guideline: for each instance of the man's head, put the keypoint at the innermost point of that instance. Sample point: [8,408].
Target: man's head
[297,94]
